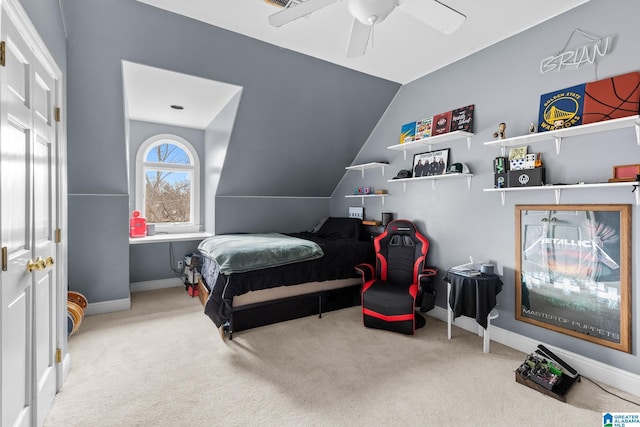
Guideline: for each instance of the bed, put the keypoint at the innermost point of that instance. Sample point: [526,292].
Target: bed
[252,286]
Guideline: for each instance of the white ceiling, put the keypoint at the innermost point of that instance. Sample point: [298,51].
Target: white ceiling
[404,48]
[149,93]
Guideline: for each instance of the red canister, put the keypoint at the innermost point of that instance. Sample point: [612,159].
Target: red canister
[137,225]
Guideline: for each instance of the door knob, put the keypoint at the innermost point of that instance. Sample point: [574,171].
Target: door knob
[39,265]
[49,261]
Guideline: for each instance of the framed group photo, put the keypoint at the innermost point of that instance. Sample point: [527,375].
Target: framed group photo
[431,163]
[573,272]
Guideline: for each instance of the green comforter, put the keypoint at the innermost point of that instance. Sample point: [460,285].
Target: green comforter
[238,253]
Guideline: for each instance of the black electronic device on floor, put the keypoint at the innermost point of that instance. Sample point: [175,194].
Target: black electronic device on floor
[546,372]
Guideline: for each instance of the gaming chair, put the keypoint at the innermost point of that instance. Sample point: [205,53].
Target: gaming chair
[399,281]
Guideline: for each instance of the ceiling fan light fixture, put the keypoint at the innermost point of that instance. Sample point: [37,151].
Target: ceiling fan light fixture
[371,12]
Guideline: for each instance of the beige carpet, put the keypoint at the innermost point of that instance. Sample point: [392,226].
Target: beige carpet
[163,364]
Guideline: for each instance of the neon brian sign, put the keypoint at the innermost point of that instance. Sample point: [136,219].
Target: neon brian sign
[575,58]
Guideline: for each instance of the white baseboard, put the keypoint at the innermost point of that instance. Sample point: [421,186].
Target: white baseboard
[597,371]
[108,306]
[150,285]
[125,303]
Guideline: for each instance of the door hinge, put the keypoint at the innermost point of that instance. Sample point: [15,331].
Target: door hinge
[4,258]
[57,114]
[58,236]
[58,355]
[3,53]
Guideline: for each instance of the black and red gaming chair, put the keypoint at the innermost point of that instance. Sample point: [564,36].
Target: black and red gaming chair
[399,281]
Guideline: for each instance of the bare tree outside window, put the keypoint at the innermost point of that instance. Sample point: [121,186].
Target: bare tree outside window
[167,189]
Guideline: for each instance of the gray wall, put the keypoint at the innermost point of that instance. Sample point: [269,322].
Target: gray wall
[284,214]
[153,261]
[289,124]
[504,83]
[47,18]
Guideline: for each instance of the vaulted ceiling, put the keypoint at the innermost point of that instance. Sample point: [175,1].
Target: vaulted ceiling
[404,48]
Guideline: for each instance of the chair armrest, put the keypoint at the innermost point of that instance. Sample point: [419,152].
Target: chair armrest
[427,274]
[366,272]
[427,289]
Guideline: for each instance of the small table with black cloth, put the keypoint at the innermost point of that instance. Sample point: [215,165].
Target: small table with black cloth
[474,297]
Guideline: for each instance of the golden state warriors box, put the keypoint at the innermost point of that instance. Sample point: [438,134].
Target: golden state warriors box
[561,108]
[612,98]
[526,177]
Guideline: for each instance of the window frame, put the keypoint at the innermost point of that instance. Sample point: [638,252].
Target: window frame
[193,169]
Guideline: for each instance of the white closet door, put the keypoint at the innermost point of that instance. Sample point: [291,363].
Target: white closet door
[28,200]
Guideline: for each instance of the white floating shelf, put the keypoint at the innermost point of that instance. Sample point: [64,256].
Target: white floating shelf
[366,196]
[434,178]
[364,166]
[558,188]
[169,237]
[432,140]
[558,135]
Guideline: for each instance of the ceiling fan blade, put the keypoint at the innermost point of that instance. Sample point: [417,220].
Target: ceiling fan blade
[358,39]
[298,11]
[435,14]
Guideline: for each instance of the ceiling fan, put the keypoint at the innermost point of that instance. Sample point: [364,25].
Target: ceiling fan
[367,13]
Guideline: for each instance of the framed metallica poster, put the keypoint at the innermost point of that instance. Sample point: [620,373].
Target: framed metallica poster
[573,271]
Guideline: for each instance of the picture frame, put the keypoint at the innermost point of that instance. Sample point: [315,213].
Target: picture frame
[431,163]
[518,152]
[573,271]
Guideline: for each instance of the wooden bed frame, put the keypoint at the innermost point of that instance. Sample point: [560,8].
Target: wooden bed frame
[273,305]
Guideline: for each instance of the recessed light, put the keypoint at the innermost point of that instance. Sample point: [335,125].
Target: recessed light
[177,107]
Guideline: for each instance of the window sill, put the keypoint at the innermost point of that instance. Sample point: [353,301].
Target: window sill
[169,237]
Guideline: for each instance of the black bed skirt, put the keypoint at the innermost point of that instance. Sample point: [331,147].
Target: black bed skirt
[270,312]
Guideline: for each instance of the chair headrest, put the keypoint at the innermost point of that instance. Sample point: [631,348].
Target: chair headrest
[401,226]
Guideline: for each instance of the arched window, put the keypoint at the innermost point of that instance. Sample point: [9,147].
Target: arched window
[167,184]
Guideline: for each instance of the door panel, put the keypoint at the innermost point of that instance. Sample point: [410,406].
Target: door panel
[42,205]
[42,102]
[44,291]
[14,172]
[44,218]
[28,190]
[16,282]
[15,359]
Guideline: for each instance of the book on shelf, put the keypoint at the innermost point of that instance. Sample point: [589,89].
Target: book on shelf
[408,133]
[441,123]
[462,119]
[423,128]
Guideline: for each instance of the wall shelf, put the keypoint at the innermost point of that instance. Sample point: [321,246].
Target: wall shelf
[558,135]
[169,237]
[366,196]
[433,140]
[558,189]
[433,179]
[364,166]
